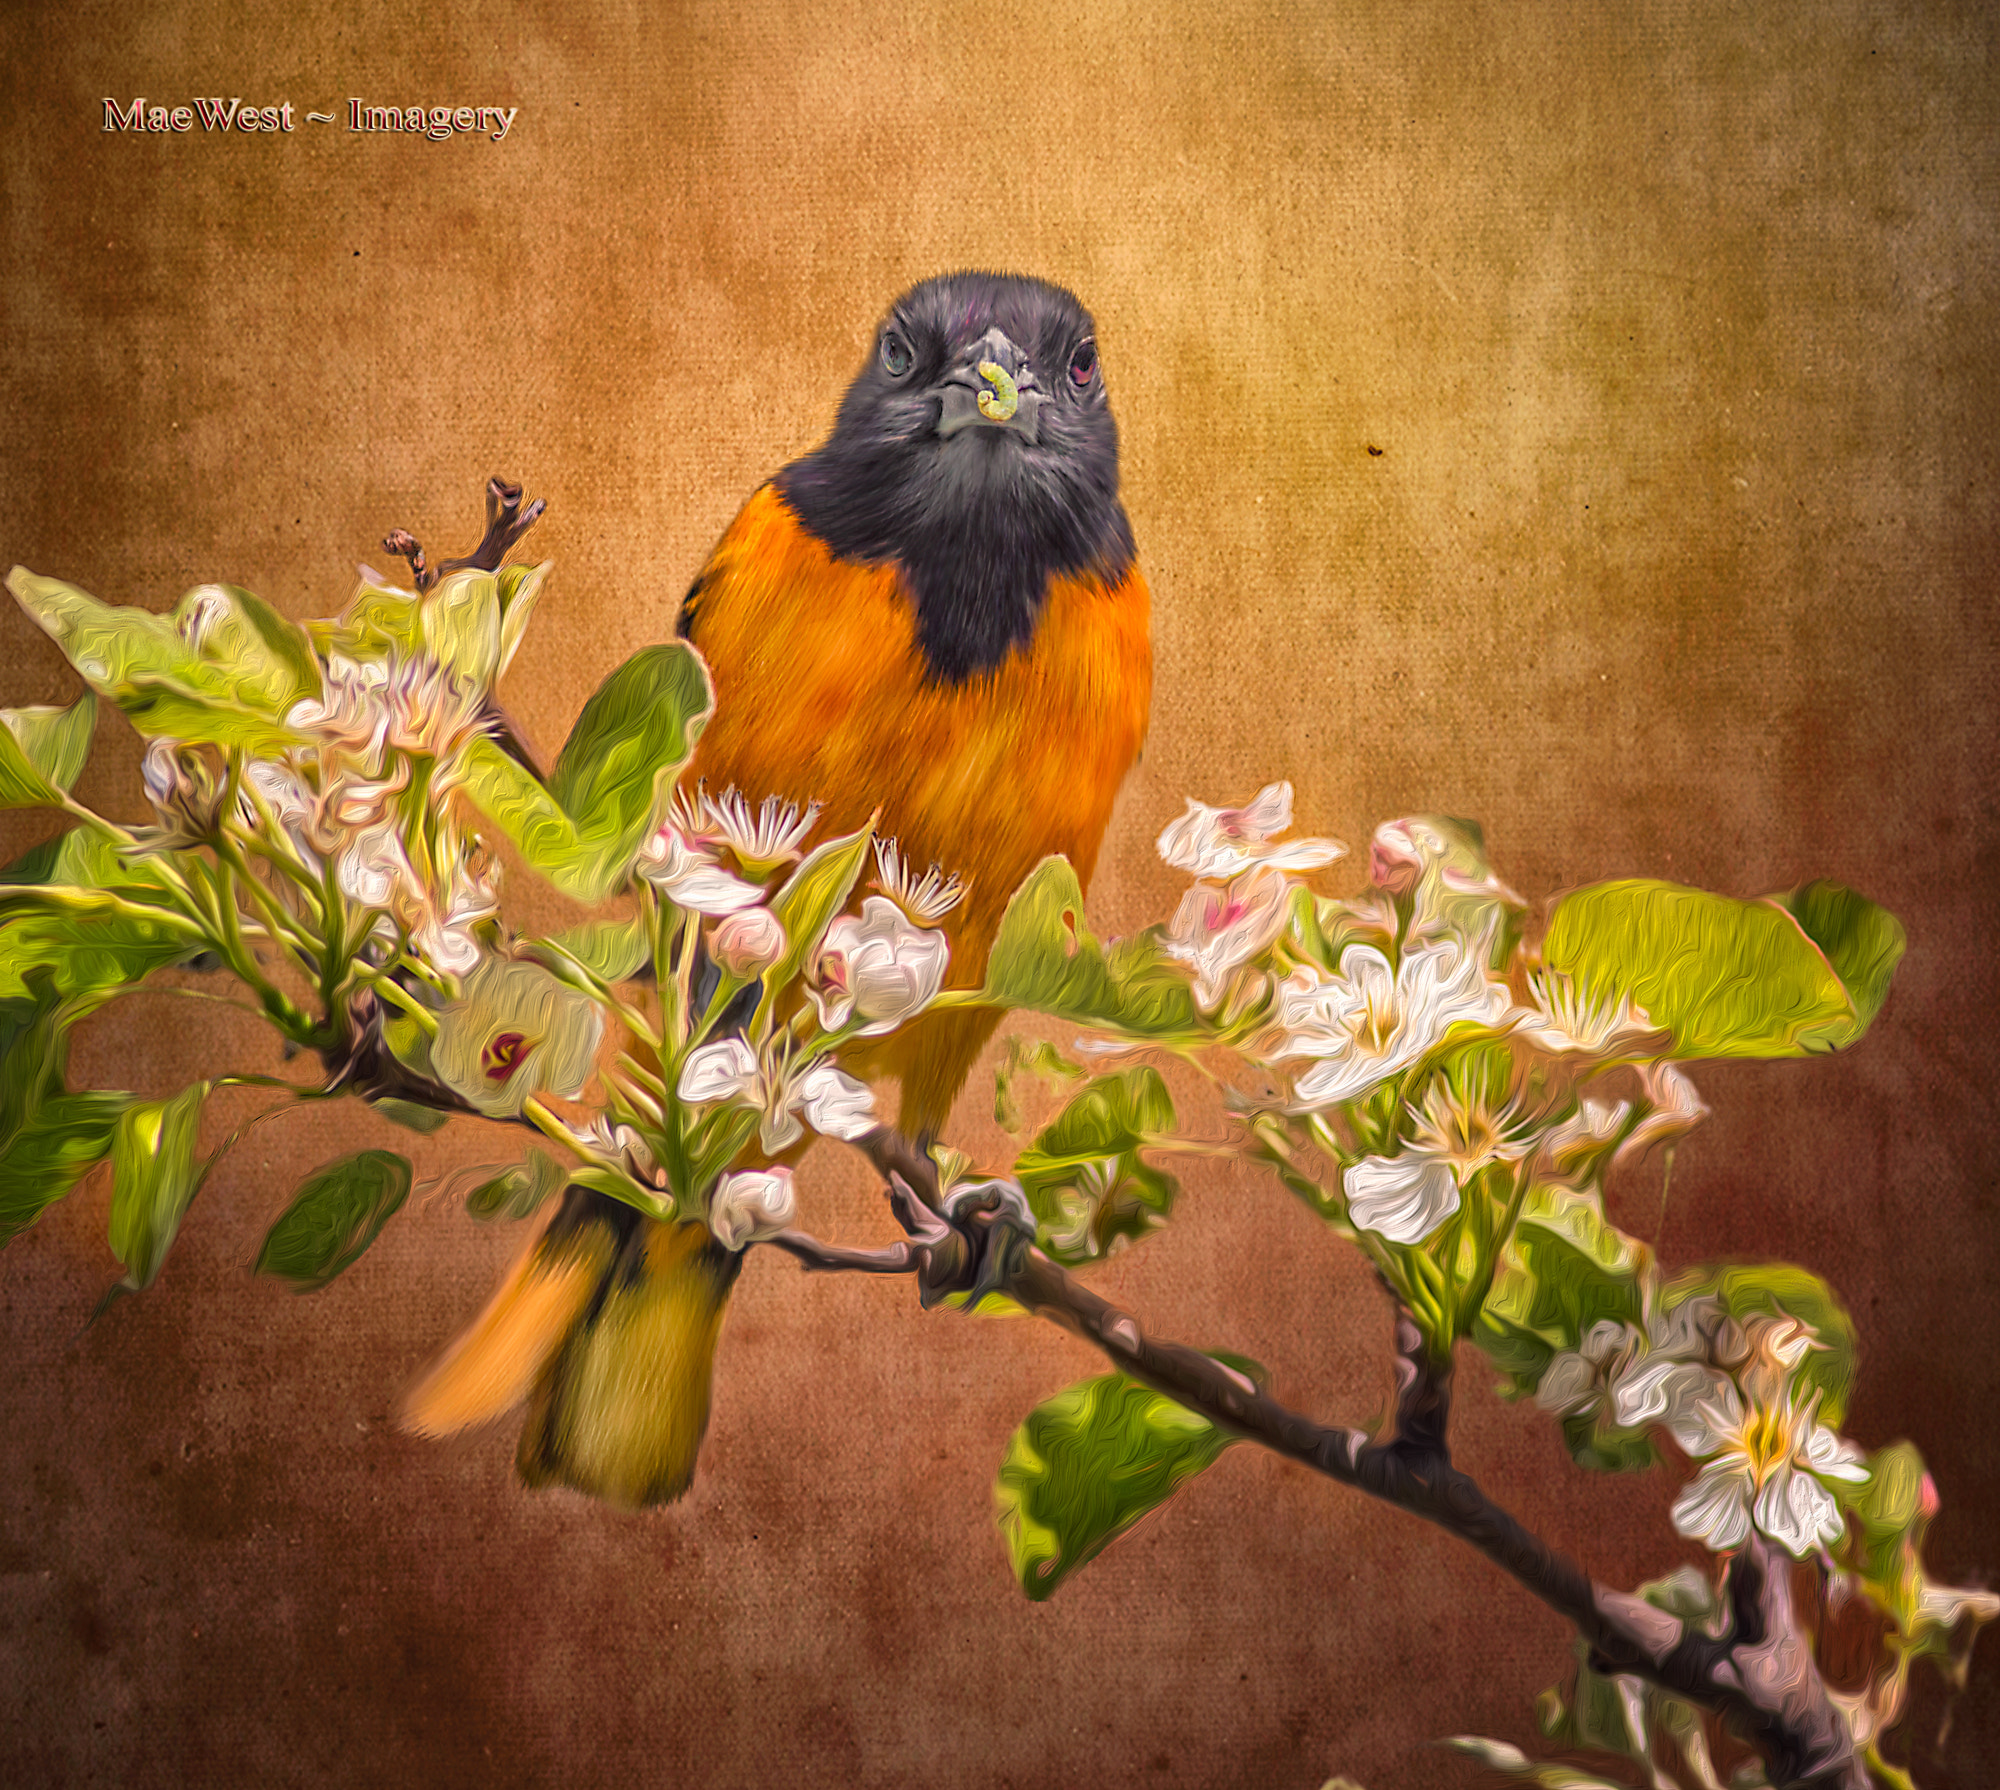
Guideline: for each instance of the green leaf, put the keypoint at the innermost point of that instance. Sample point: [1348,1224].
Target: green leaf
[1729,978]
[610,787]
[611,951]
[155,1174]
[423,1120]
[518,1191]
[1084,1176]
[62,1139]
[1565,1269]
[259,656]
[141,662]
[1028,1059]
[80,939]
[1773,1288]
[816,891]
[164,708]
[337,1212]
[1862,942]
[1087,1464]
[519,589]
[42,752]
[378,619]
[1045,959]
[108,644]
[616,768]
[460,621]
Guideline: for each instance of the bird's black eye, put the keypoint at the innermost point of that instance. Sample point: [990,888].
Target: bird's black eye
[896,356]
[1083,365]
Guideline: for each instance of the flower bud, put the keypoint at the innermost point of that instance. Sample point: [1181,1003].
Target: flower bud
[751,1203]
[747,942]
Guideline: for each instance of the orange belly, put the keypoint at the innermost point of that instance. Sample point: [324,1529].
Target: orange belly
[822,695]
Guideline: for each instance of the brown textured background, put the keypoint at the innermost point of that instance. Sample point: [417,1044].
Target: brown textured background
[1676,328]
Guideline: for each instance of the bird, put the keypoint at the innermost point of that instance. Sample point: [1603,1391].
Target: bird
[935,619]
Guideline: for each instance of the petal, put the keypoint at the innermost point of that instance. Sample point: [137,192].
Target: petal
[1403,1198]
[751,1203]
[725,1070]
[1715,1508]
[1795,1510]
[833,1103]
[709,889]
[1834,1457]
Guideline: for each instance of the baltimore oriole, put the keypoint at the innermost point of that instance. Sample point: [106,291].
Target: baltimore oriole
[938,613]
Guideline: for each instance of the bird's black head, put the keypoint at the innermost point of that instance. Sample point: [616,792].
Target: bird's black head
[976,450]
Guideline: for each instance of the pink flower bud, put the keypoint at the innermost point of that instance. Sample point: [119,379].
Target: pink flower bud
[748,942]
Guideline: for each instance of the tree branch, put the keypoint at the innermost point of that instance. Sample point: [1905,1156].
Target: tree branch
[1761,1674]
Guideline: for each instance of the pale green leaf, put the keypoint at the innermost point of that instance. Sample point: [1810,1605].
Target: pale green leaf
[1728,978]
[460,621]
[1045,959]
[155,1173]
[42,751]
[519,589]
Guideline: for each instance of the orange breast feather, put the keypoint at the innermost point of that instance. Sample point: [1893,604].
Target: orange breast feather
[821,695]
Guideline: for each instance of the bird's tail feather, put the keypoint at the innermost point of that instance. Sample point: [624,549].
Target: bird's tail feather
[608,1326]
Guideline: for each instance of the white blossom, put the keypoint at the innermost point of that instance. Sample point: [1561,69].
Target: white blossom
[1566,1018]
[830,1101]
[878,968]
[724,1070]
[1218,843]
[1371,1022]
[1674,1109]
[764,842]
[684,870]
[926,899]
[834,1103]
[1767,1468]
[751,1203]
[1215,930]
[747,942]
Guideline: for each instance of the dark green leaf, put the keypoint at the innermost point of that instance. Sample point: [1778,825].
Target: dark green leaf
[1727,978]
[1085,1466]
[1084,1176]
[42,751]
[616,768]
[1862,942]
[61,1140]
[1045,959]
[154,1175]
[337,1212]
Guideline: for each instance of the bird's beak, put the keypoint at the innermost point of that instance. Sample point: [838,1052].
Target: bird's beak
[991,386]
